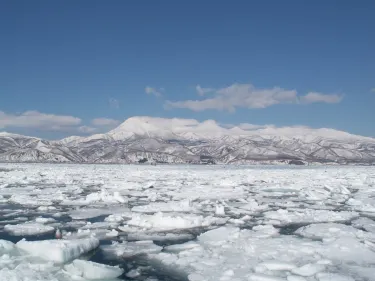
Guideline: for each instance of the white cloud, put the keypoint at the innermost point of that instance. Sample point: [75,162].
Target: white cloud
[373,90]
[245,126]
[51,122]
[239,95]
[249,127]
[247,96]
[153,91]
[202,91]
[104,122]
[86,129]
[114,103]
[38,120]
[314,97]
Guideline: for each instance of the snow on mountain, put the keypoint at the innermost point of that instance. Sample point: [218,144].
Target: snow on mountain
[148,139]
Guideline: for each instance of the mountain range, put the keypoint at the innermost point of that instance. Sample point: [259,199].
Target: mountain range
[161,140]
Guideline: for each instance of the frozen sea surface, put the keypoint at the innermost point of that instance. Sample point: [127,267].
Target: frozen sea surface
[212,223]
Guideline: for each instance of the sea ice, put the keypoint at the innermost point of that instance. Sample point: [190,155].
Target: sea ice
[308,216]
[92,270]
[365,223]
[28,228]
[130,249]
[173,206]
[81,214]
[19,265]
[159,236]
[333,230]
[5,246]
[165,222]
[105,197]
[58,251]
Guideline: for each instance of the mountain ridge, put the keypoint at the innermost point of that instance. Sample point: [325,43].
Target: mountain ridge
[160,140]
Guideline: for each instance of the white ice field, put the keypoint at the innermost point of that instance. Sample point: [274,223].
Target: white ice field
[211,223]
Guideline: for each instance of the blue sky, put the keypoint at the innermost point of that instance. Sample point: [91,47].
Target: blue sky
[65,64]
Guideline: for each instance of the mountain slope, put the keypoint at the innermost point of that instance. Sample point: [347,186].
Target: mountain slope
[146,139]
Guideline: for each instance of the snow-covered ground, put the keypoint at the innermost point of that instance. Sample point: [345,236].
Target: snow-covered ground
[186,223]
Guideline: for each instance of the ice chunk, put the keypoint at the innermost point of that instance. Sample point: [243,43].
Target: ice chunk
[228,248]
[219,234]
[160,236]
[118,217]
[263,231]
[309,269]
[58,251]
[367,273]
[264,277]
[365,223]
[295,278]
[5,246]
[25,271]
[81,214]
[347,250]
[325,276]
[18,265]
[105,197]
[99,225]
[112,233]
[130,249]
[44,220]
[28,228]
[333,230]
[277,265]
[30,201]
[181,247]
[133,273]
[165,222]
[46,208]
[309,216]
[220,210]
[173,206]
[92,270]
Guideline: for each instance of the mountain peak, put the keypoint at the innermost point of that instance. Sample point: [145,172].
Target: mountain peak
[171,128]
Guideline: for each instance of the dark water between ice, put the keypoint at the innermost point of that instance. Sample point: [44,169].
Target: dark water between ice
[148,272]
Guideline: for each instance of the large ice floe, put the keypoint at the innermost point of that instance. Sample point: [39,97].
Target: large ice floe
[52,260]
[206,223]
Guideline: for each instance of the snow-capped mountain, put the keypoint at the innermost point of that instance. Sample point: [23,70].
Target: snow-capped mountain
[160,140]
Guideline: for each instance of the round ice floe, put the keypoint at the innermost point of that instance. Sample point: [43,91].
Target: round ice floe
[92,270]
[333,230]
